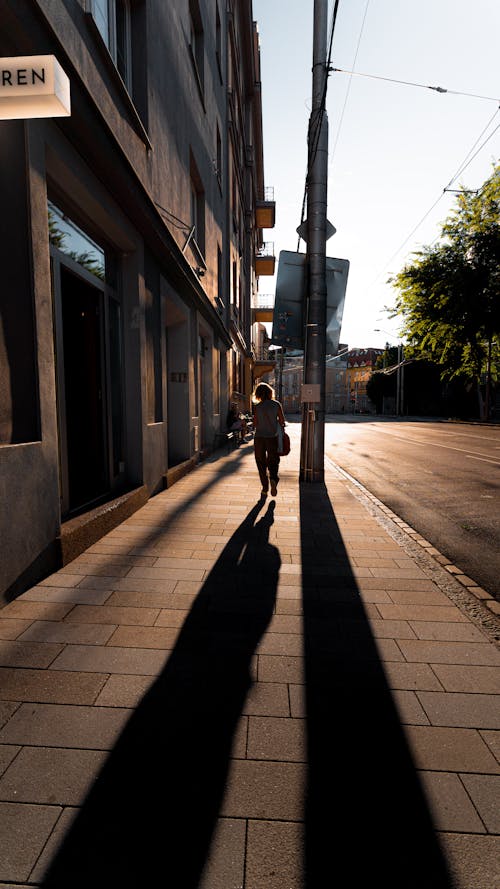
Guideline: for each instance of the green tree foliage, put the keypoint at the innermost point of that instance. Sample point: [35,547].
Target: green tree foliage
[449,296]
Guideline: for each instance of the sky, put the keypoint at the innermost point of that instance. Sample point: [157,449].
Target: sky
[393,148]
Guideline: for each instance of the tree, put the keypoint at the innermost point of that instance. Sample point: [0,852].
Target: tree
[449,296]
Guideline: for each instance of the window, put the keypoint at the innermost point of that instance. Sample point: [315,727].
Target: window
[112,18]
[196,42]
[218,39]
[197,207]
[218,156]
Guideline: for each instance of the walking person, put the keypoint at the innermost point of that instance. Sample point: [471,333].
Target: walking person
[267,414]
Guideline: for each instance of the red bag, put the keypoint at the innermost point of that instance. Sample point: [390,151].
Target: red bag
[283,444]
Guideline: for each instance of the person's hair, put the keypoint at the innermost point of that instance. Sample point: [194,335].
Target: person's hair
[263,392]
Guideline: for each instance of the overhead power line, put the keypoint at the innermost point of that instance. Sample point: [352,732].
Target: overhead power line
[425,86]
[350,82]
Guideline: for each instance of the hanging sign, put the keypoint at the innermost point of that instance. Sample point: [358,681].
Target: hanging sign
[33,86]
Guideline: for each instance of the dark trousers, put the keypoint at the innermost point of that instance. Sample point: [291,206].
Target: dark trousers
[266,457]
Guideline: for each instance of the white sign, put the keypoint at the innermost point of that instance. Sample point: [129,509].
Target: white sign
[33,86]
[310,392]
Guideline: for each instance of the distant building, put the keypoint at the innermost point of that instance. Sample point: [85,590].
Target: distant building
[132,241]
[360,366]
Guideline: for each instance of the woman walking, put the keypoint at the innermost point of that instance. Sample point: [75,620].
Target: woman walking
[267,413]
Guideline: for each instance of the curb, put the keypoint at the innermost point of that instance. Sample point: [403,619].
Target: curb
[454,571]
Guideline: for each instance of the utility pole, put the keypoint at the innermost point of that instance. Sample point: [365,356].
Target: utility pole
[312,454]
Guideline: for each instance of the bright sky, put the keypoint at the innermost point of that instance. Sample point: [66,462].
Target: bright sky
[393,149]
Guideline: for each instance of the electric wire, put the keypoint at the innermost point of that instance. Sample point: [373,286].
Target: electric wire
[437,89]
[350,83]
[173,219]
[463,166]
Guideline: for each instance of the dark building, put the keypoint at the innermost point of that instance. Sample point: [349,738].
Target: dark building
[131,241]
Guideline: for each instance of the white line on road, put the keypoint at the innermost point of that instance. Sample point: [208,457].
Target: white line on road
[483,460]
[433,444]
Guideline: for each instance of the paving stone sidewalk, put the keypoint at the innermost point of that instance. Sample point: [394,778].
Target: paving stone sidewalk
[234,693]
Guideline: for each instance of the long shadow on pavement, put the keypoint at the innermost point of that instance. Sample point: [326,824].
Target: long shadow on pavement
[149,818]
[367,820]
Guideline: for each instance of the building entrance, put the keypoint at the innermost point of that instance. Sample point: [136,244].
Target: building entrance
[87,316]
[84,390]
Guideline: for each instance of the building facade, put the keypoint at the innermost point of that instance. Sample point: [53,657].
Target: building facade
[130,247]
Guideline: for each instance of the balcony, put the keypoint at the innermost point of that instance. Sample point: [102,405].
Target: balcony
[263,308]
[265,259]
[265,210]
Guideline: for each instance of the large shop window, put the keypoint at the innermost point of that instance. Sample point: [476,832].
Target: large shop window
[89,364]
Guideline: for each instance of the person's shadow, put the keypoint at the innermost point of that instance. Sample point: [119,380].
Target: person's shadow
[367,821]
[149,818]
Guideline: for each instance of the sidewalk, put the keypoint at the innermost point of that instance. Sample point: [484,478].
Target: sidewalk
[229,693]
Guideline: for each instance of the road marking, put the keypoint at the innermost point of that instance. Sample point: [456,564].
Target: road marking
[429,444]
[483,460]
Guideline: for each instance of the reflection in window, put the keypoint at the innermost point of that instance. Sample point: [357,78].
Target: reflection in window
[112,18]
[73,242]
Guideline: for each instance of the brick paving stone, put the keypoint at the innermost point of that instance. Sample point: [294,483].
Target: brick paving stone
[411,677]
[169,617]
[267,699]
[140,600]
[35,610]
[108,569]
[7,708]
[82,658]
[8,752]
[13,628]
[484,790]
[473,860]
[276,739]
[50,849]
[50,686]
[53,725]
[264,790]
[276,668]
[419,597]
[64,580]
[453,632]
[449,804]
[409,708]
[450,653]
[421,612]
[274,855]
[25,830]
[281,643]
[465,710]
[145,637]
[28,654]
[108,614]
[70,596]
[492,739]
[391,629]
[123,691]
[450,749]
[55,631]
[225,866]
[470,678]
[51,776]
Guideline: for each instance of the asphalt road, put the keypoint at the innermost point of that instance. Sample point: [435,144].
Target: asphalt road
[443,479]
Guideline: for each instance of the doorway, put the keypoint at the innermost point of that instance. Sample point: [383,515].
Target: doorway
[84,389]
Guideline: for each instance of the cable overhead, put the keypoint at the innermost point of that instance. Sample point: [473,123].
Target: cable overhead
[463,166]
[350,82]
[425,86]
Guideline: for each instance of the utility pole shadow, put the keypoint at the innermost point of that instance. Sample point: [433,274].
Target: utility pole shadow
[149,818]
[366,817]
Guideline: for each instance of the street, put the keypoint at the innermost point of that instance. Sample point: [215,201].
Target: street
[441,478]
